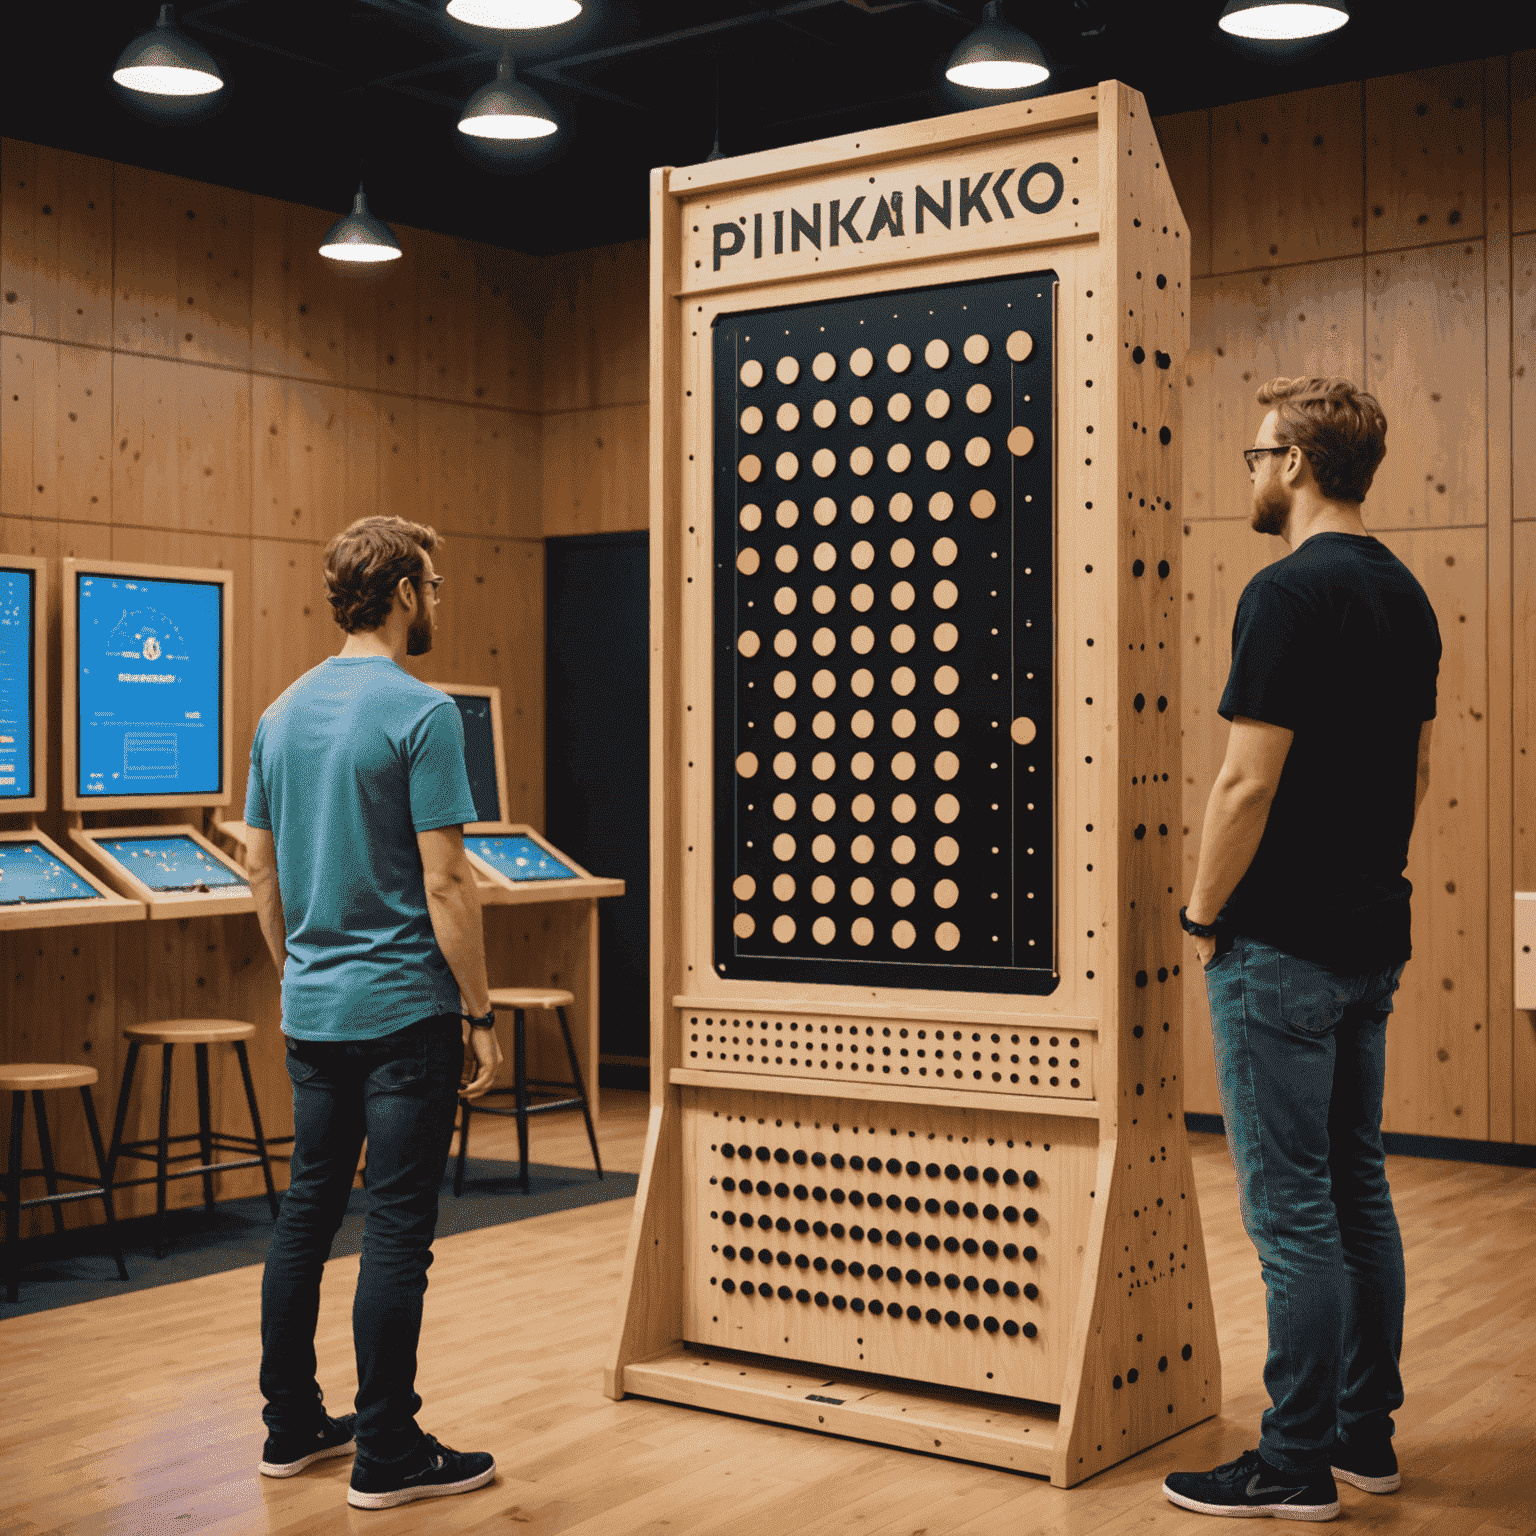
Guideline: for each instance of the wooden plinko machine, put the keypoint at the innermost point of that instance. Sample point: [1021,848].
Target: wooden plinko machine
[916,1170]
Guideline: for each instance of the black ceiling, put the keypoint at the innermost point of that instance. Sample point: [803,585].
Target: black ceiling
[317,88]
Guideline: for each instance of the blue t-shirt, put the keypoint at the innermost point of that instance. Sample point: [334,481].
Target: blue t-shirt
[348,765]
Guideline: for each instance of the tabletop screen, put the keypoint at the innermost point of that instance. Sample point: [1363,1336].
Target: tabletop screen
[30,873]
[480,754]
[519,858]
[150,660]
[170,863]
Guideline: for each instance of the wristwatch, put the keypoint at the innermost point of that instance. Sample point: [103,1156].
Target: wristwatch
[486,1022]
[1200,930]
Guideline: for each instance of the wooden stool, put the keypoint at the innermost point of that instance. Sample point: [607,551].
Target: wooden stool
[517,999]
[38,1078]
[199,1033]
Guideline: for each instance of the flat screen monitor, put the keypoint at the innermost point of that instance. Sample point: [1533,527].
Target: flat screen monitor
[518,858]
[484,754]
[147,685]
[23,690]
[173,863]
[31,875]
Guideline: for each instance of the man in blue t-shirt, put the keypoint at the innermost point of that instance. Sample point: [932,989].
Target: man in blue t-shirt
[357,800]
[1301,924]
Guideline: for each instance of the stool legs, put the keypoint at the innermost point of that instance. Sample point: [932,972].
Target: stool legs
[520,1066]
[106,1186]
[13,1195]
[120,1119]
[261,1145]
[162,1167]
[581,1088]
[204,1123]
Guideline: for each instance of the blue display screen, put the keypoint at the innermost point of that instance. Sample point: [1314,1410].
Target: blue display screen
[169,863]
[519,858]
[17,595]
[151,671]
[29,873]
[480,753]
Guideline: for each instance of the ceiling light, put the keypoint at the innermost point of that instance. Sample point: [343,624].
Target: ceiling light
[360,236]
[514,15]
[996,56]
[507,109]
[166,62]
[1275,21]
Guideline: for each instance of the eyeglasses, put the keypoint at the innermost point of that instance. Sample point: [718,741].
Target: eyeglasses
[1252,455]
[435,582]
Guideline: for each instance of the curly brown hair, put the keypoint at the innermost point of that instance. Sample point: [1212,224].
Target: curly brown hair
[1341,429]
[366,561]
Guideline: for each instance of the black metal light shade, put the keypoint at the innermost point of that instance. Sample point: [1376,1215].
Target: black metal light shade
[360,236]
[997,56]
[507,109]
[166,62]
[1281,21]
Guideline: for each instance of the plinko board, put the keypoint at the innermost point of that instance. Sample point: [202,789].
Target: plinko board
[916,1170]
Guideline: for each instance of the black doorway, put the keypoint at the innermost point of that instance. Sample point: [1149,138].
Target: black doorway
[597,764]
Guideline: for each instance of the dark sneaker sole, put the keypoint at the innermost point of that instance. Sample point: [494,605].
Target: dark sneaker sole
[1388,1484]
[1255,1511]
[288,1468]
[394,1496]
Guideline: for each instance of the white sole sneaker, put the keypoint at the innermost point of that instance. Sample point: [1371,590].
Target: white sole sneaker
[1389,1484]
[289,1468]
[394,1496]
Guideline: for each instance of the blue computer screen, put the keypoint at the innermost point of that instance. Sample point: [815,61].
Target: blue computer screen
[169,863]
[17,595]
[519,858]
[28,872]
[480,754]
[150,668]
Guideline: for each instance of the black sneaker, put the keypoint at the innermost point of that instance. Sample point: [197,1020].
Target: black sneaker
[1249,1486]
[436,1472]
[1372,1470]
[283,1455]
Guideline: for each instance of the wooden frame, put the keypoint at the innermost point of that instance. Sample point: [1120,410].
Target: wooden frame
[69,689]
[113,908]
[491,692]
[498,890]
[38,799]
[1129,1354]
[164,904]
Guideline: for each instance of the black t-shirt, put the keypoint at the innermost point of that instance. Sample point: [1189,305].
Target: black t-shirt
[1338,643]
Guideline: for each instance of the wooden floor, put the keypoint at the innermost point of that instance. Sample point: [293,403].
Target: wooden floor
[141,1414]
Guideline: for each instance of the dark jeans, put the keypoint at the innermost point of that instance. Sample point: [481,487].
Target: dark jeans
[400,1092]
[1301,1063]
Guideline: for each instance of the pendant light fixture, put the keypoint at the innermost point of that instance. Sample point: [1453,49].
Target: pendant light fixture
[360,236]
[507,109]
[514,15]
[997,57]
[1281,21]
[166,62]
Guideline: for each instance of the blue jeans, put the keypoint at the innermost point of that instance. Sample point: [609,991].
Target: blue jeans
[1301,1063]
[400,1092]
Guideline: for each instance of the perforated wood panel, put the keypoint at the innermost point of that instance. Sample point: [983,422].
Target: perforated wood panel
[1029,1061]
[884,636]
[890,1238]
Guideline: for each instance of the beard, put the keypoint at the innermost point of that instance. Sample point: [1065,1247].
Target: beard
[1270,509]
[418,638]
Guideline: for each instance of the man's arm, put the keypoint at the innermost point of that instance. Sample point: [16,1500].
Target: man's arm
[261,856]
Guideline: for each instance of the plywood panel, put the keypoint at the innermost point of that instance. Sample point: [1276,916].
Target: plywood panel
[479,469]
[1426,363]
[1198,385]
[299,462]
[1289,169]
[595,470]
[364,410]
[1522,124]
[595,328]
[1291,322]
[1424,156]
[55,244]
[1185,139]
[182,446]
[299,300]
[381,324]
[399,472]
[1522,1086]
[55,430]
[1522,369]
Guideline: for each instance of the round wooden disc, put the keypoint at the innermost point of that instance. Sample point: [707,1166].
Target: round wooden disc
[748,561]
[783,927]
[861,362]
[903,595]
[946,850]
[903,934]
[1022,730]
[978,397]
[1020,441]
[903,681]
[751,420]
[787,416]
[946,765]
[784,600]
[861,508]
[788,370]
[750,468]
[946,723]
[38,1076]
[945,594]
[899,358]
[861,411]
[748,643]
[744,925]
[903,892]
[786,557]
[824,930]
[861,460]
[824,510]
[938,454]
[824,413]
[940,505]
[937,403]
[824,462]
[787,466]
[946,808]
[903,849]
[945,637]
[751,517]
[946,936]
[862,554]
[824,365]
[862,890]
[786,514]
[861,930]
[983,503]
[784,847]
[1020,345]
[977,452]
[899,406]
[899,458]
[945,893]
[903,765]
[752,373]
[903,809]
[946,680]
[901,507]
[744,888]
[902,553]
[936,353]
[945,551]
[862,597]
[862,683]
[784,765]
[823,849]
[824,807]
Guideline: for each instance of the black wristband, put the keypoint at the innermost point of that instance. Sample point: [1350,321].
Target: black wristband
[1200,930]
[484,1021]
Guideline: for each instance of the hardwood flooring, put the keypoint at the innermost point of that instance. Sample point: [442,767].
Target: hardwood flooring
[140,1414]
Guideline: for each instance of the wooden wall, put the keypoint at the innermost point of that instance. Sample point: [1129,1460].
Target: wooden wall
[1385,230]
[185,380]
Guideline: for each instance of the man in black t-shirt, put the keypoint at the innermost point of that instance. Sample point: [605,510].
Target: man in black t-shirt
[1301,922]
